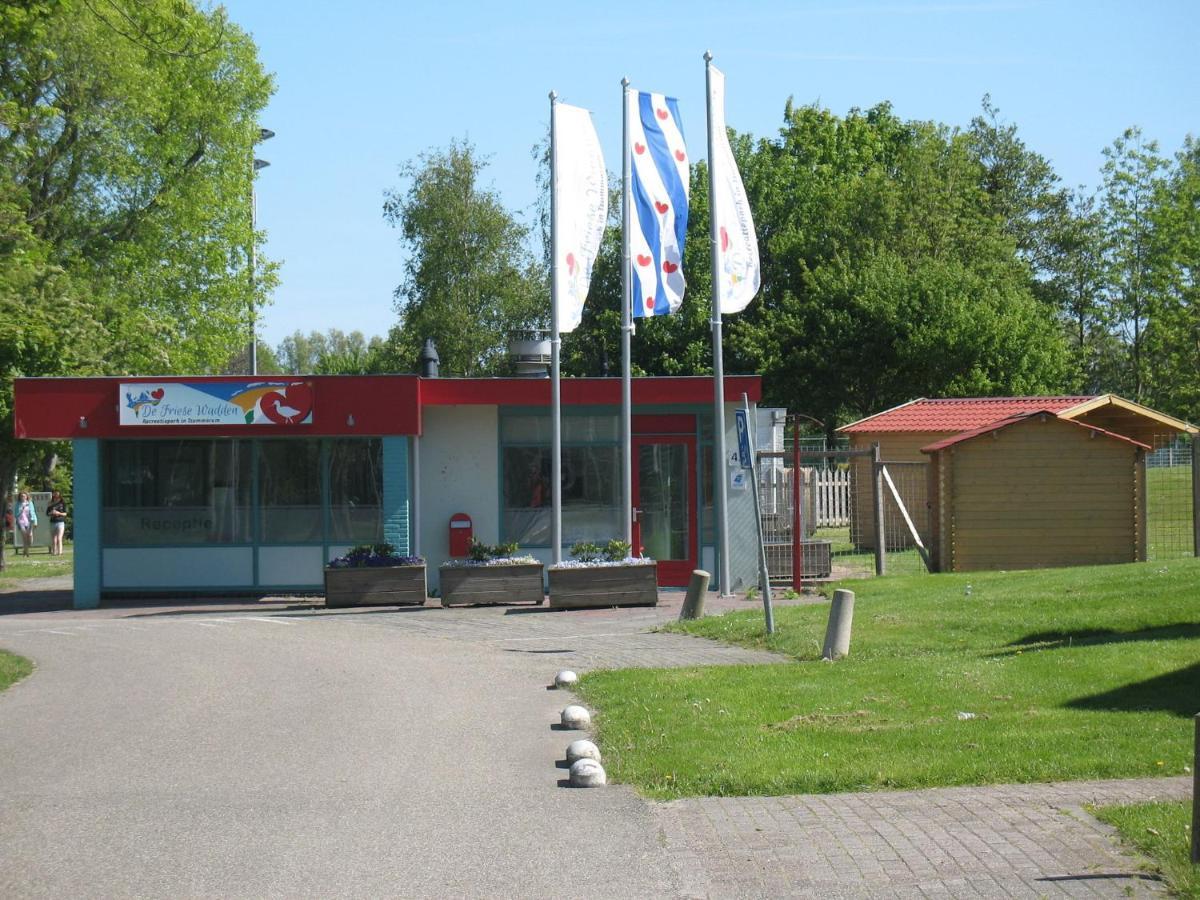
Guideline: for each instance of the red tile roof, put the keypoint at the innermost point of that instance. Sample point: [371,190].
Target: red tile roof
[1022,417]
[957,414]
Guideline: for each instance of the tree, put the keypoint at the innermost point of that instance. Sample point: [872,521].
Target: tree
[126,132]
[1132,179]
[470,278]
[887,273]
[330,353]
[1173,336]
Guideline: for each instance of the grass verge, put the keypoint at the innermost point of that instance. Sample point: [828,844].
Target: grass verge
[39,564]
[12,669]
[1029,676]
[1163,832]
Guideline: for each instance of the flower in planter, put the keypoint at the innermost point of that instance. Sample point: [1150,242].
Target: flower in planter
[587,554]
[481,554]
[374,555]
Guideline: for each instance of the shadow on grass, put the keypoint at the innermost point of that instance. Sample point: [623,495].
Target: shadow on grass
[1053,640]
[1176,692]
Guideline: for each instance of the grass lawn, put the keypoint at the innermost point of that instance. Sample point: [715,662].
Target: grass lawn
[12,668]
[1162,831]
[1032,676]
[39,563]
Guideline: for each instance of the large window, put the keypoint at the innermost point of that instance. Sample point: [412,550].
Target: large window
[309,490]
[176,492]
[355,491]
[591,479]
[289,490]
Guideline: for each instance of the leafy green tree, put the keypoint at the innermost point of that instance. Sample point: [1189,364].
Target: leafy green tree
[1133,174]
[470,278]
[1173,337]
[333,352]
[887,272]
[126,134]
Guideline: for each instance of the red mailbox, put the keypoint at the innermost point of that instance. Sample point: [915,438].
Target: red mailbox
[461,533]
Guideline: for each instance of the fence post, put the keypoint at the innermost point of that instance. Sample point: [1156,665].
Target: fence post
[797,511]
[877,498]
[1196,782]
[1195,496]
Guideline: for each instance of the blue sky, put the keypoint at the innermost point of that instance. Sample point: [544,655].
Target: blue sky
[364,86]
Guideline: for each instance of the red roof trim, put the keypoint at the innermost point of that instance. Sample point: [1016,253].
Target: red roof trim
[1024,417]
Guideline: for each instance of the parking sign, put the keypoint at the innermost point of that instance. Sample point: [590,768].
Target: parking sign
[743,436]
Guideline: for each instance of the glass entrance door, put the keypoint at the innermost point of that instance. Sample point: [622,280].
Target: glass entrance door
[664,497]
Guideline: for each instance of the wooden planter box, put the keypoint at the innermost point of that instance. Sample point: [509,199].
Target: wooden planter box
[516,583]
[375,586]
[603,586]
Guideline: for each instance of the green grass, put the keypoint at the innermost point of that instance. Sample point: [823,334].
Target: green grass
[12,669]
[1162,831]
[1069,673]
[39,563]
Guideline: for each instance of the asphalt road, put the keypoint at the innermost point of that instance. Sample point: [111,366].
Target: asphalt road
[263,754]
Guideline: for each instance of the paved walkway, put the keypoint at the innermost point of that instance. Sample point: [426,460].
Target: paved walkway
[300,745]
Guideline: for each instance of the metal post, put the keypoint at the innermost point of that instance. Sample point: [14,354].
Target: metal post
[555,343]
[1195,495]
[720,474]
[414,521]
[1196,778]
[626,330]
[253,350]
[797,514]
[877,497]
[764,574]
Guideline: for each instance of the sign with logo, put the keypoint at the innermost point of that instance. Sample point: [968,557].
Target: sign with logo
[743,434]
[217,403]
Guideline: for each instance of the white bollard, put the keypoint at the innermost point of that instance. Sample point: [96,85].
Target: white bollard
[578,750]
[841,618]
[588,773]
[565,679]
[576,717]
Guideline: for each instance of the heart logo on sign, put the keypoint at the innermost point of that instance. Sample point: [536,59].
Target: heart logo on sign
[680,155]
[670,267]
[571,264]
[289,406]
[662,114]
[724,239]
[158,393]
[661,207]
[643,260]
[639,149]
[649,303]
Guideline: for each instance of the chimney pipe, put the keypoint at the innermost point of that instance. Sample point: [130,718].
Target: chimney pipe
[428,360]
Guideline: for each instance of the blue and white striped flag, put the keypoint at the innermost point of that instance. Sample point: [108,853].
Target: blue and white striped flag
[659,211]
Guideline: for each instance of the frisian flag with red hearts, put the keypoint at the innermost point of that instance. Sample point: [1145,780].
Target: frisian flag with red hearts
[659,208]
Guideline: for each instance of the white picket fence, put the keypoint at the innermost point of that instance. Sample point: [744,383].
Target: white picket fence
[827,490]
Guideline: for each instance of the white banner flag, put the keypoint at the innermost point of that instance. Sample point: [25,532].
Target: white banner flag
[737,245]
[580,210]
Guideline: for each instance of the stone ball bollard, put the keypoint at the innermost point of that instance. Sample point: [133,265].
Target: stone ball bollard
[565,679]
[578,750]
[588,773]
[576,717]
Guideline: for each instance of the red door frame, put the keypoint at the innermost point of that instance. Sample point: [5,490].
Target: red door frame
[671,573]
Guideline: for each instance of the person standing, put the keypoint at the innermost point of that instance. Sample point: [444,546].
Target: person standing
[57,511]
[26,520]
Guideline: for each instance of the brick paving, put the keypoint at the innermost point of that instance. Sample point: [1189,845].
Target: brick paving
[1003,841]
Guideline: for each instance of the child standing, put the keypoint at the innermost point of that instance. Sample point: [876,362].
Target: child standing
[26,520]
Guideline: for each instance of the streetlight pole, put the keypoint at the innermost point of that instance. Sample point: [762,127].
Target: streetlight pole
[264,134]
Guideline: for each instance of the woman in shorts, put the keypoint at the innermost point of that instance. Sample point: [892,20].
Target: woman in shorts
[57,511]
[26,520]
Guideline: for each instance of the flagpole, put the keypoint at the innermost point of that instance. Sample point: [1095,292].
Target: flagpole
[626,330]
[719,464]
[555,342]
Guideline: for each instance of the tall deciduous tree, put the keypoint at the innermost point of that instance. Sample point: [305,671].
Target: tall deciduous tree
[126,132]
[1133,173]
[332,352]
[469,279]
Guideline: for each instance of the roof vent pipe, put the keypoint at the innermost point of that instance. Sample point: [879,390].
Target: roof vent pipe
[428,360]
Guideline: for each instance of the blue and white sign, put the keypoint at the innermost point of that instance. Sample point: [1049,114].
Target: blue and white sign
[743,436]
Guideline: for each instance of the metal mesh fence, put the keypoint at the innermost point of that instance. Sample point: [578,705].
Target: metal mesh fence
[1170,530]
